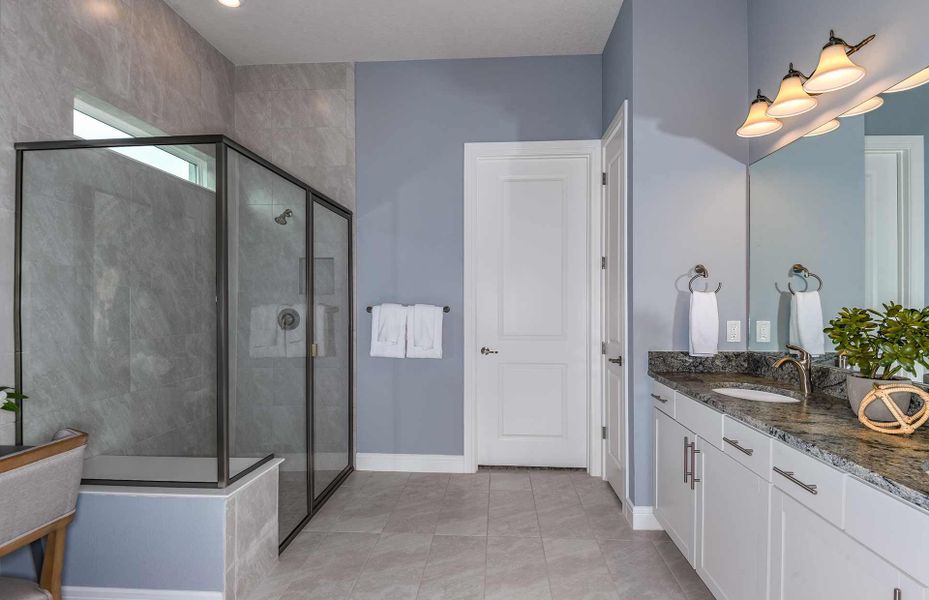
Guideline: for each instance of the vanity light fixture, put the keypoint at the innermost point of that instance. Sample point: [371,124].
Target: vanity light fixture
[824,128]
[758,123]
[231,3]
[865,107]
[836,70]
[792,99]
[911,82]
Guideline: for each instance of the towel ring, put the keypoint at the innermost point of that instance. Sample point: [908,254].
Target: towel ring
[701,271]
[799,269]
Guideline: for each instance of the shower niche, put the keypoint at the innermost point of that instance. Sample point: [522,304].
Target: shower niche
[187,304]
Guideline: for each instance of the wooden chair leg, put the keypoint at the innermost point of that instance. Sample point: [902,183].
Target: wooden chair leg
[53,563]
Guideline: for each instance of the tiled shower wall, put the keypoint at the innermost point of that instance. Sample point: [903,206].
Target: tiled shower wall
[119,318]
[136,55]
[302,118]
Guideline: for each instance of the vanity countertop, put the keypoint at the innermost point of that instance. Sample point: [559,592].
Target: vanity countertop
[822,426]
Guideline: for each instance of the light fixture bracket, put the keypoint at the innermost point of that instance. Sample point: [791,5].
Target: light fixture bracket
[849,48]
[759,97]
[792,72]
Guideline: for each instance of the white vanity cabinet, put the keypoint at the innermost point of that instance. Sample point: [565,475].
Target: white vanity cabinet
[759,520]
[675,502]
[732,521]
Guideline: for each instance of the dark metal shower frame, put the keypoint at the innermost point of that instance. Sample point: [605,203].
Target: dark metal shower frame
[222,144]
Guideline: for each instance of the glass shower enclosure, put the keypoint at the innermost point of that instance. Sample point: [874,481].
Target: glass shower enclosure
[187,304]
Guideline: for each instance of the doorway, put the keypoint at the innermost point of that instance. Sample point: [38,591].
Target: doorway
[532,304]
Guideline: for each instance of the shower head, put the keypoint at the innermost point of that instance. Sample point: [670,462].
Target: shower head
[281,219]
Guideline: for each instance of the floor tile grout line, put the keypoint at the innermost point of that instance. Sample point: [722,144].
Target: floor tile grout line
[667,565]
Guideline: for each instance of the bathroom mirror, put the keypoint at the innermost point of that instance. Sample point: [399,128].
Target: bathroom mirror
[844,210]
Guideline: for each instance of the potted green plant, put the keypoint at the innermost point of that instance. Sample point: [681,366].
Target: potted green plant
[8,398]
[881,344]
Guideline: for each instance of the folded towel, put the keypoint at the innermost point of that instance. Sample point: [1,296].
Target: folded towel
[391,326]
[388,330]
[704,324]
[295,339]
[324,329]
[265,338]
[806,322]
[424,332]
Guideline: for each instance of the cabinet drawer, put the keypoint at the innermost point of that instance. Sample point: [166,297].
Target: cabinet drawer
[748,446]
[809,481]
[663,398]
[897,532]
[699,418]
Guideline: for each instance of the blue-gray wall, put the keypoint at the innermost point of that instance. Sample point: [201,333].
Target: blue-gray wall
[807,206]
[178,545]
[688,171]
[617,65]
[413,119]
[794,30]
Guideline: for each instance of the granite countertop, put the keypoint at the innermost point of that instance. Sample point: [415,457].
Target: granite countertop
[822,426]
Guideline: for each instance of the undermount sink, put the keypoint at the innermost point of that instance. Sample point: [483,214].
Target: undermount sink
[755,395]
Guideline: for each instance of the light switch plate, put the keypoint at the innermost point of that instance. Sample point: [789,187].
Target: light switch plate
[733,331]
[763,331]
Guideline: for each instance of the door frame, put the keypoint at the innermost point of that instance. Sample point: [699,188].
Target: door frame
[619,126]
[592,151]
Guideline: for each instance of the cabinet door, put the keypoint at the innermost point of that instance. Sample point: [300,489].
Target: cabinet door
[812,560]
[675,507]
[732,526]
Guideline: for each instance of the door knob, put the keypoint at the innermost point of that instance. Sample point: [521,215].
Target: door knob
[616,361]
[485,351]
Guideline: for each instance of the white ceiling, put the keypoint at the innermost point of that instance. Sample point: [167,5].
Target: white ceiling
[297,31]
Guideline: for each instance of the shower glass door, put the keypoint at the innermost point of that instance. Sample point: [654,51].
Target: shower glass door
[332,363]
[269,325]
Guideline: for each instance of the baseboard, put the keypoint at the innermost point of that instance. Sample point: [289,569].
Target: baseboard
[641,518]
[98,593]
[414,463]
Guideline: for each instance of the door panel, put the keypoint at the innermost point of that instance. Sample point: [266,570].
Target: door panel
[532,303]
[614,416]
[675,507]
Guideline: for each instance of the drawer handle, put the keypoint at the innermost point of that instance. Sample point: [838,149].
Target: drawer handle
[898,594]
[811,488]
[735,444]
[659,398]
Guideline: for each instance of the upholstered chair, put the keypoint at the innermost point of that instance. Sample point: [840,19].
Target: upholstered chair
[38,498]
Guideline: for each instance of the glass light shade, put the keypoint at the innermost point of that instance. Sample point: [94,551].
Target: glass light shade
[824,128]
[911,82]
[792,99]
[834,71]
[231,3]
[865,107]
[758,123]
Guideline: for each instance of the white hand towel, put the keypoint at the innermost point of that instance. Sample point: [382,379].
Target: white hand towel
[391,326]
[806,322]
[424,332]
[265,338]
[388,330]
[296,338]
[704,324]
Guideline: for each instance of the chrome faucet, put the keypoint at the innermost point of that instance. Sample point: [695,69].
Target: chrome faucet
[803,364]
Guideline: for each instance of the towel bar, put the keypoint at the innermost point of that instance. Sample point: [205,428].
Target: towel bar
[444,309]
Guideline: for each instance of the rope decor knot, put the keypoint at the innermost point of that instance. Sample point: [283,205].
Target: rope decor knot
[904,424]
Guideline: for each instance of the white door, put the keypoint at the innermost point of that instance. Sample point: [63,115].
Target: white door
[531,304]
[732,525]
[614,414]
[894,224]
[675,506]
[812,560]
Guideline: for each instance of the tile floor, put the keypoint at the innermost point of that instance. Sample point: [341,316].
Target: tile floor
[512,534]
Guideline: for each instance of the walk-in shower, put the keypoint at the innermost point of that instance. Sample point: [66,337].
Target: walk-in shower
[161,308]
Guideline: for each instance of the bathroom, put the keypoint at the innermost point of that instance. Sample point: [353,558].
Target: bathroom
[226,221]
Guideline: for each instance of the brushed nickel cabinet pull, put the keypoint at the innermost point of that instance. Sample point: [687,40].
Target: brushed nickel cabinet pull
[660,399]
[789,475]
[693,464]
[686,447]
[898,594]
[735,444]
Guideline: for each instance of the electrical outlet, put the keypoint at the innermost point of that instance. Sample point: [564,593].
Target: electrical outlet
[733,331]
[762,331]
